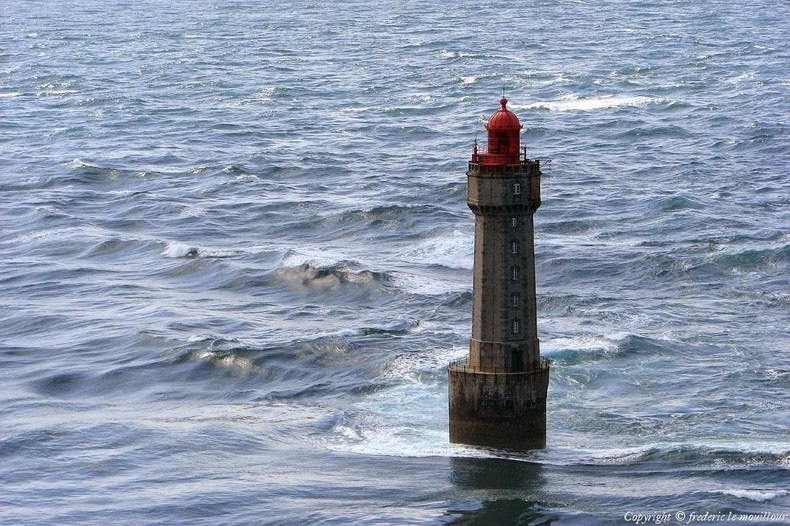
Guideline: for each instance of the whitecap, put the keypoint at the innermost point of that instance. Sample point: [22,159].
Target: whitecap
[356,109]
[201,338]
[582,343]
[426,285]
[757,495]
[573,103]
[407,420]
[217,252]
[452,250]
[79,163]
[192,211]
[316,258]
[176,249]
[341,333]
[409,367]
[345,333]
[227,360]
[564,453]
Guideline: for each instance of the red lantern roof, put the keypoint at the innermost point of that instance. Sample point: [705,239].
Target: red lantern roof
[503,119]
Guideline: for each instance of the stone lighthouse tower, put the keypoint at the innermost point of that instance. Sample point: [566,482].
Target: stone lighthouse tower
[497,395]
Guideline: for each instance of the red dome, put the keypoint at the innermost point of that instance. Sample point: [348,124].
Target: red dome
[503,138]
[503,119]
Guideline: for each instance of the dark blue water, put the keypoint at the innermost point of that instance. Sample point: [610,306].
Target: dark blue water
[235,259]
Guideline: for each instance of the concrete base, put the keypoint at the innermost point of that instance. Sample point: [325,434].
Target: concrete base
[499,409]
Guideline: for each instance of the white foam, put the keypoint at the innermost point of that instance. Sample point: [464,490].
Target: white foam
[356,109]
[176,249]
[573,103]
[454,249]
[405,442]
[408,420]
[79,163]
[314,257]
[233,362]
[409,367]
[426,285]
[218,252]
[62,233]
[618,455]
[468,80]
[237,364]
[342,333]
[588,343]
[565,451]
[757,495]
[57,92]
[192,211]
[422,96]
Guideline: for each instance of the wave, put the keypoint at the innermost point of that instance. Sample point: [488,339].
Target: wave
[574,103]
[323,270]
[176,249]
[61,384]
[392,213]
[239,171]
[680,202]
[331,276]
[427,283]
[756,495]
[454,249]
[590,347]
[568,350]
[406,416]
[724,456]
[328,364]
[89,172]
[752,258]
[729,261]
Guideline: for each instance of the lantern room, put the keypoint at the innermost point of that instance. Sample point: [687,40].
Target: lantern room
[503,138]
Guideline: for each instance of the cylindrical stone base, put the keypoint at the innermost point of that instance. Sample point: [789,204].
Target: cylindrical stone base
[504,410]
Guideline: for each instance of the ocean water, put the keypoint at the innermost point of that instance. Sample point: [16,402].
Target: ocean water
[235,259]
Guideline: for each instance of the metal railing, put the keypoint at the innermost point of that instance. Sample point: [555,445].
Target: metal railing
[482,151]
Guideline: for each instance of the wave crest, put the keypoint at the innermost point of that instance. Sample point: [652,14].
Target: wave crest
[574,103]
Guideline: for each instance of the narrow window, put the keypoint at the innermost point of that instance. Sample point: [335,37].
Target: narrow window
[514,299]
[514,247]
[516,189]
[513,221]
[504,143]
[515,326]
[515,273]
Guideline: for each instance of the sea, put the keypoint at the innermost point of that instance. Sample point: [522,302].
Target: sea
[236,260]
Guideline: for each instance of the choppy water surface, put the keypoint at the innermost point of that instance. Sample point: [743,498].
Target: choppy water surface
[235,259]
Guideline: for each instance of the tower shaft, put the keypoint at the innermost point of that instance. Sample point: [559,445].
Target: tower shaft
[504,314]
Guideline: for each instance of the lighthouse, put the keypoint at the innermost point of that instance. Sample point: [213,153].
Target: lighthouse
[497,394]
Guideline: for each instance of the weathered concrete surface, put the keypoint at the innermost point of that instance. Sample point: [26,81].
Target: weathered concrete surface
[503,199]
[497,396]
[498,409]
